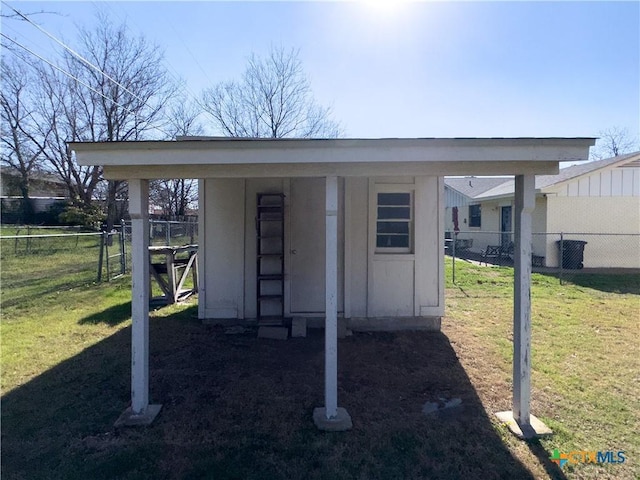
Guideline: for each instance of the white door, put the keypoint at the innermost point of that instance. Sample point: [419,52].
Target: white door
[307,249]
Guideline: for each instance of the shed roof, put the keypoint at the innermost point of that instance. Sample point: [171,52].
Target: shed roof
[203,157]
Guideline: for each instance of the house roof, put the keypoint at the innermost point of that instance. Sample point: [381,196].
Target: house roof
[505,186]
[34,175]
[473,186]
[569,173]
[239,157]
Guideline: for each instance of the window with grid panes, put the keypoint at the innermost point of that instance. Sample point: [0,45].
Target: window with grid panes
[393,223]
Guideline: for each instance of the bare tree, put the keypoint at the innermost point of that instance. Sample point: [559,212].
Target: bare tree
[183,118]
[176,196]
[612,142]
[113,87]
[18,150]
[273,99]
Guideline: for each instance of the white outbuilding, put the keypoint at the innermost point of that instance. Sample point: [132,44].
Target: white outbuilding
[349,229]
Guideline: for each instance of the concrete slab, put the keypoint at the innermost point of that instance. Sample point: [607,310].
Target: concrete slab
[340,423]
[128,419]
[298,327]
[275,333]
[536,428]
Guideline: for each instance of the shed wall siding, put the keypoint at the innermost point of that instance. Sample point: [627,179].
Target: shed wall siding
[370,284]
[356,226]
[224,242]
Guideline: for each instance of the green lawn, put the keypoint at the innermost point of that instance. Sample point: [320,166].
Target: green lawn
[585,355]
[239,407]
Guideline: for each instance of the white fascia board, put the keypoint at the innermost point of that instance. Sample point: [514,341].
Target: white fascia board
[244,152]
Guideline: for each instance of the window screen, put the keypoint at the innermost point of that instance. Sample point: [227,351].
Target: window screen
[393,225]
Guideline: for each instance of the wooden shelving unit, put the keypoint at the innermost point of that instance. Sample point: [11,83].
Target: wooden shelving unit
[270,258]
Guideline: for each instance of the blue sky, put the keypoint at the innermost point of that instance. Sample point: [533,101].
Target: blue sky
[432,69]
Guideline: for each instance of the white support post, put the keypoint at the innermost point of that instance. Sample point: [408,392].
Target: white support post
[331,417]
[524,205]
[331,303]
[140,412]
[520,420]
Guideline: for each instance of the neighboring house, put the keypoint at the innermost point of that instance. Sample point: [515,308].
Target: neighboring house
[321,229]
[45,189]
[599,197]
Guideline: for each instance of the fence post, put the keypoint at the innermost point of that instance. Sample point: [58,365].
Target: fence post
[167,230]
[123,253]
[101,257]
[561,255]
[107,240]
[455,239]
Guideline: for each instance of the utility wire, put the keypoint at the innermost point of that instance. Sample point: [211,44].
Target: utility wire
[73,52]
[70,75]
[76,79]
[171,70]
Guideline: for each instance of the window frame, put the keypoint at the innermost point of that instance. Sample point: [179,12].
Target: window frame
[409,221]
[478,216]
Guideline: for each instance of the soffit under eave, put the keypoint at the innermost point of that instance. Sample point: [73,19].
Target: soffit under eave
[391,169]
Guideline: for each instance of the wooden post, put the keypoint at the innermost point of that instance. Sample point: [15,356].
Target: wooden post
[330,417]
[331,291]
[519,419]
[524,205]
[140,412]
[139,211]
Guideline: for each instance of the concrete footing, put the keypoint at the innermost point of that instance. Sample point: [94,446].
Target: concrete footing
[129,419]
[340,423]
[535,429]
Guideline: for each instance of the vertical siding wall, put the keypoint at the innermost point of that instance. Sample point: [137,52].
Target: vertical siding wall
[223,252]
[387,285]
[616,182]
[370,284]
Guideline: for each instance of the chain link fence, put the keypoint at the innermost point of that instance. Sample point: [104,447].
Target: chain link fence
[41,260]
[563,254]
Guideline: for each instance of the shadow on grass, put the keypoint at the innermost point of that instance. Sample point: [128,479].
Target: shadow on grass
[112,316]
[552,469]
[32,289]
[620,283]
[235,406]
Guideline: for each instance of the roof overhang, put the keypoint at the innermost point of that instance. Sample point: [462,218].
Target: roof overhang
[208,158]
